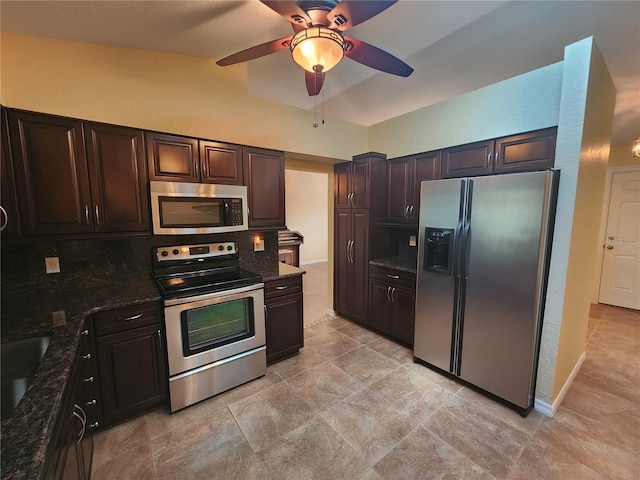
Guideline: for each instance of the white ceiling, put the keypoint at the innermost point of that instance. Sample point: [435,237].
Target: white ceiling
[454,46]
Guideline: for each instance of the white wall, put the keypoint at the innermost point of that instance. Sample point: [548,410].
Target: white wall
[307,208]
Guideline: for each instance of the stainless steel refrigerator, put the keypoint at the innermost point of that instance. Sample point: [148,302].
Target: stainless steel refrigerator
[483,253]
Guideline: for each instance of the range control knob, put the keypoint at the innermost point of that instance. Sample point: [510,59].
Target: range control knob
[229,247]
[176,251]
[164,253]
[220,247]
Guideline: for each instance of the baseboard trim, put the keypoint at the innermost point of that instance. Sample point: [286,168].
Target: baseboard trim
[314,261]
[550,409]
[331,313]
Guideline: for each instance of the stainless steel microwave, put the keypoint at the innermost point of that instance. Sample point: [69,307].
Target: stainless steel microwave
[193,208]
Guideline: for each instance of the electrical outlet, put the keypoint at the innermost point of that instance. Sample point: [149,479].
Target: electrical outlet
[412,240]
[59,318]
[52,264]
[258,244]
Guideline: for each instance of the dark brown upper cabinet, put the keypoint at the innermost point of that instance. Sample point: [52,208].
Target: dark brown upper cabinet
[263,172]
[526,152]
[64,188]
[118,178]
[9,223]
[404,175]
[516,153]
[352,184]
[221,163]
[52,178]
[468,160]
[174,158]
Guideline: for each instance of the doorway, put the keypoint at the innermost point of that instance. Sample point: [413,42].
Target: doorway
[620,276]
[307,212]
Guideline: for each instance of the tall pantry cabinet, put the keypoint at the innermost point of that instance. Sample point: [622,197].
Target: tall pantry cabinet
[359,188]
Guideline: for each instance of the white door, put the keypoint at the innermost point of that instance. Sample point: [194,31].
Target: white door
[620,281]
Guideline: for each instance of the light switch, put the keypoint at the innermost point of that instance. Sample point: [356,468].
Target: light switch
[52,264]
[412,240]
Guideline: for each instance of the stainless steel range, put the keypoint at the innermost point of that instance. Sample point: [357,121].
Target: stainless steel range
[214,317]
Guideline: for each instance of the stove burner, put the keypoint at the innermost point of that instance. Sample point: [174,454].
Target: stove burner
[190,270]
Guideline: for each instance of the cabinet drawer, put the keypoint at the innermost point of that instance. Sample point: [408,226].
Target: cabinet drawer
[393,275]
[121,319]
[283,286]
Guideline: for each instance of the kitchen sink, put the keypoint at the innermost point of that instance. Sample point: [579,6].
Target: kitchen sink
[18,363]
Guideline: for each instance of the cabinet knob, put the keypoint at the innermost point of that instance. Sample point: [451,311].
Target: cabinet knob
[86,357]
[94,425]
[85,332]
[88,379]
[91,402]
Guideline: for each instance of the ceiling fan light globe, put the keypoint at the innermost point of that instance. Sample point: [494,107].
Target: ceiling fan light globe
[317,46]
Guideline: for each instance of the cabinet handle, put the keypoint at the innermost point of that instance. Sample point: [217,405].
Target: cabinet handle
[97,215]
[197,169]
[159,333]
[353,245]
[395,277]
[411,211]
[393,294]
[282,287]
[86,357]
[94,425]
[497,155]
[88,379]
[6,218]
[266,313]
[86,214]
[388,294]
[489,157]
[85,332]
[91,402]
[133,317]
[348,251]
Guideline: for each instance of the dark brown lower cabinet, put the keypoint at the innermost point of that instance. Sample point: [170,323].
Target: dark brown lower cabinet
[392,303]
[131,358]
[284,317]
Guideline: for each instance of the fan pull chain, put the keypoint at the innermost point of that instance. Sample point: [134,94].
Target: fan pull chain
[315,100]
[323,106]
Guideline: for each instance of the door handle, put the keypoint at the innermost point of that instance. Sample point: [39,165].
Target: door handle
[609,247]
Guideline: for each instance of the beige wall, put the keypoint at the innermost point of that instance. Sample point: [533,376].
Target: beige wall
[523,103]
[620,156]
[159,91]
[306,201]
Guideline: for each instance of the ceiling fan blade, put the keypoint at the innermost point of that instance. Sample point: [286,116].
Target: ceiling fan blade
[256,51]
[375,57]
[290,11]
[349,13]
[314,81]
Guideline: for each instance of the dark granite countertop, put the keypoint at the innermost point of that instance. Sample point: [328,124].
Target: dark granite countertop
[27,306]
[402,263]
[26,312]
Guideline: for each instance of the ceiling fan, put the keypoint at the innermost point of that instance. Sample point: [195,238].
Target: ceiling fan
[318,44]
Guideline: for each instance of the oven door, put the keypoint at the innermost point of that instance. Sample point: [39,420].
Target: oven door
[207,328]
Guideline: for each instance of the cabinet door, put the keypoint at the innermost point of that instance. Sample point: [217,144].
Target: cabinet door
[526,152]
[399,189]
[341,186]
[133,372]
[284,326]
[360,183]
[118,173]
[264,176]
[221,163]
[172,158]
[468,160]
[342,260]
[379,306]
[9,224]
[360,264]
[427,166]
[51,173]
[403,314]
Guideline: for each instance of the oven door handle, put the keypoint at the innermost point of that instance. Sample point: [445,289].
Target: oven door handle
[169,302]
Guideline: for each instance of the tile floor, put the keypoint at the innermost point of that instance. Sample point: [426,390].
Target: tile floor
[353,405]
